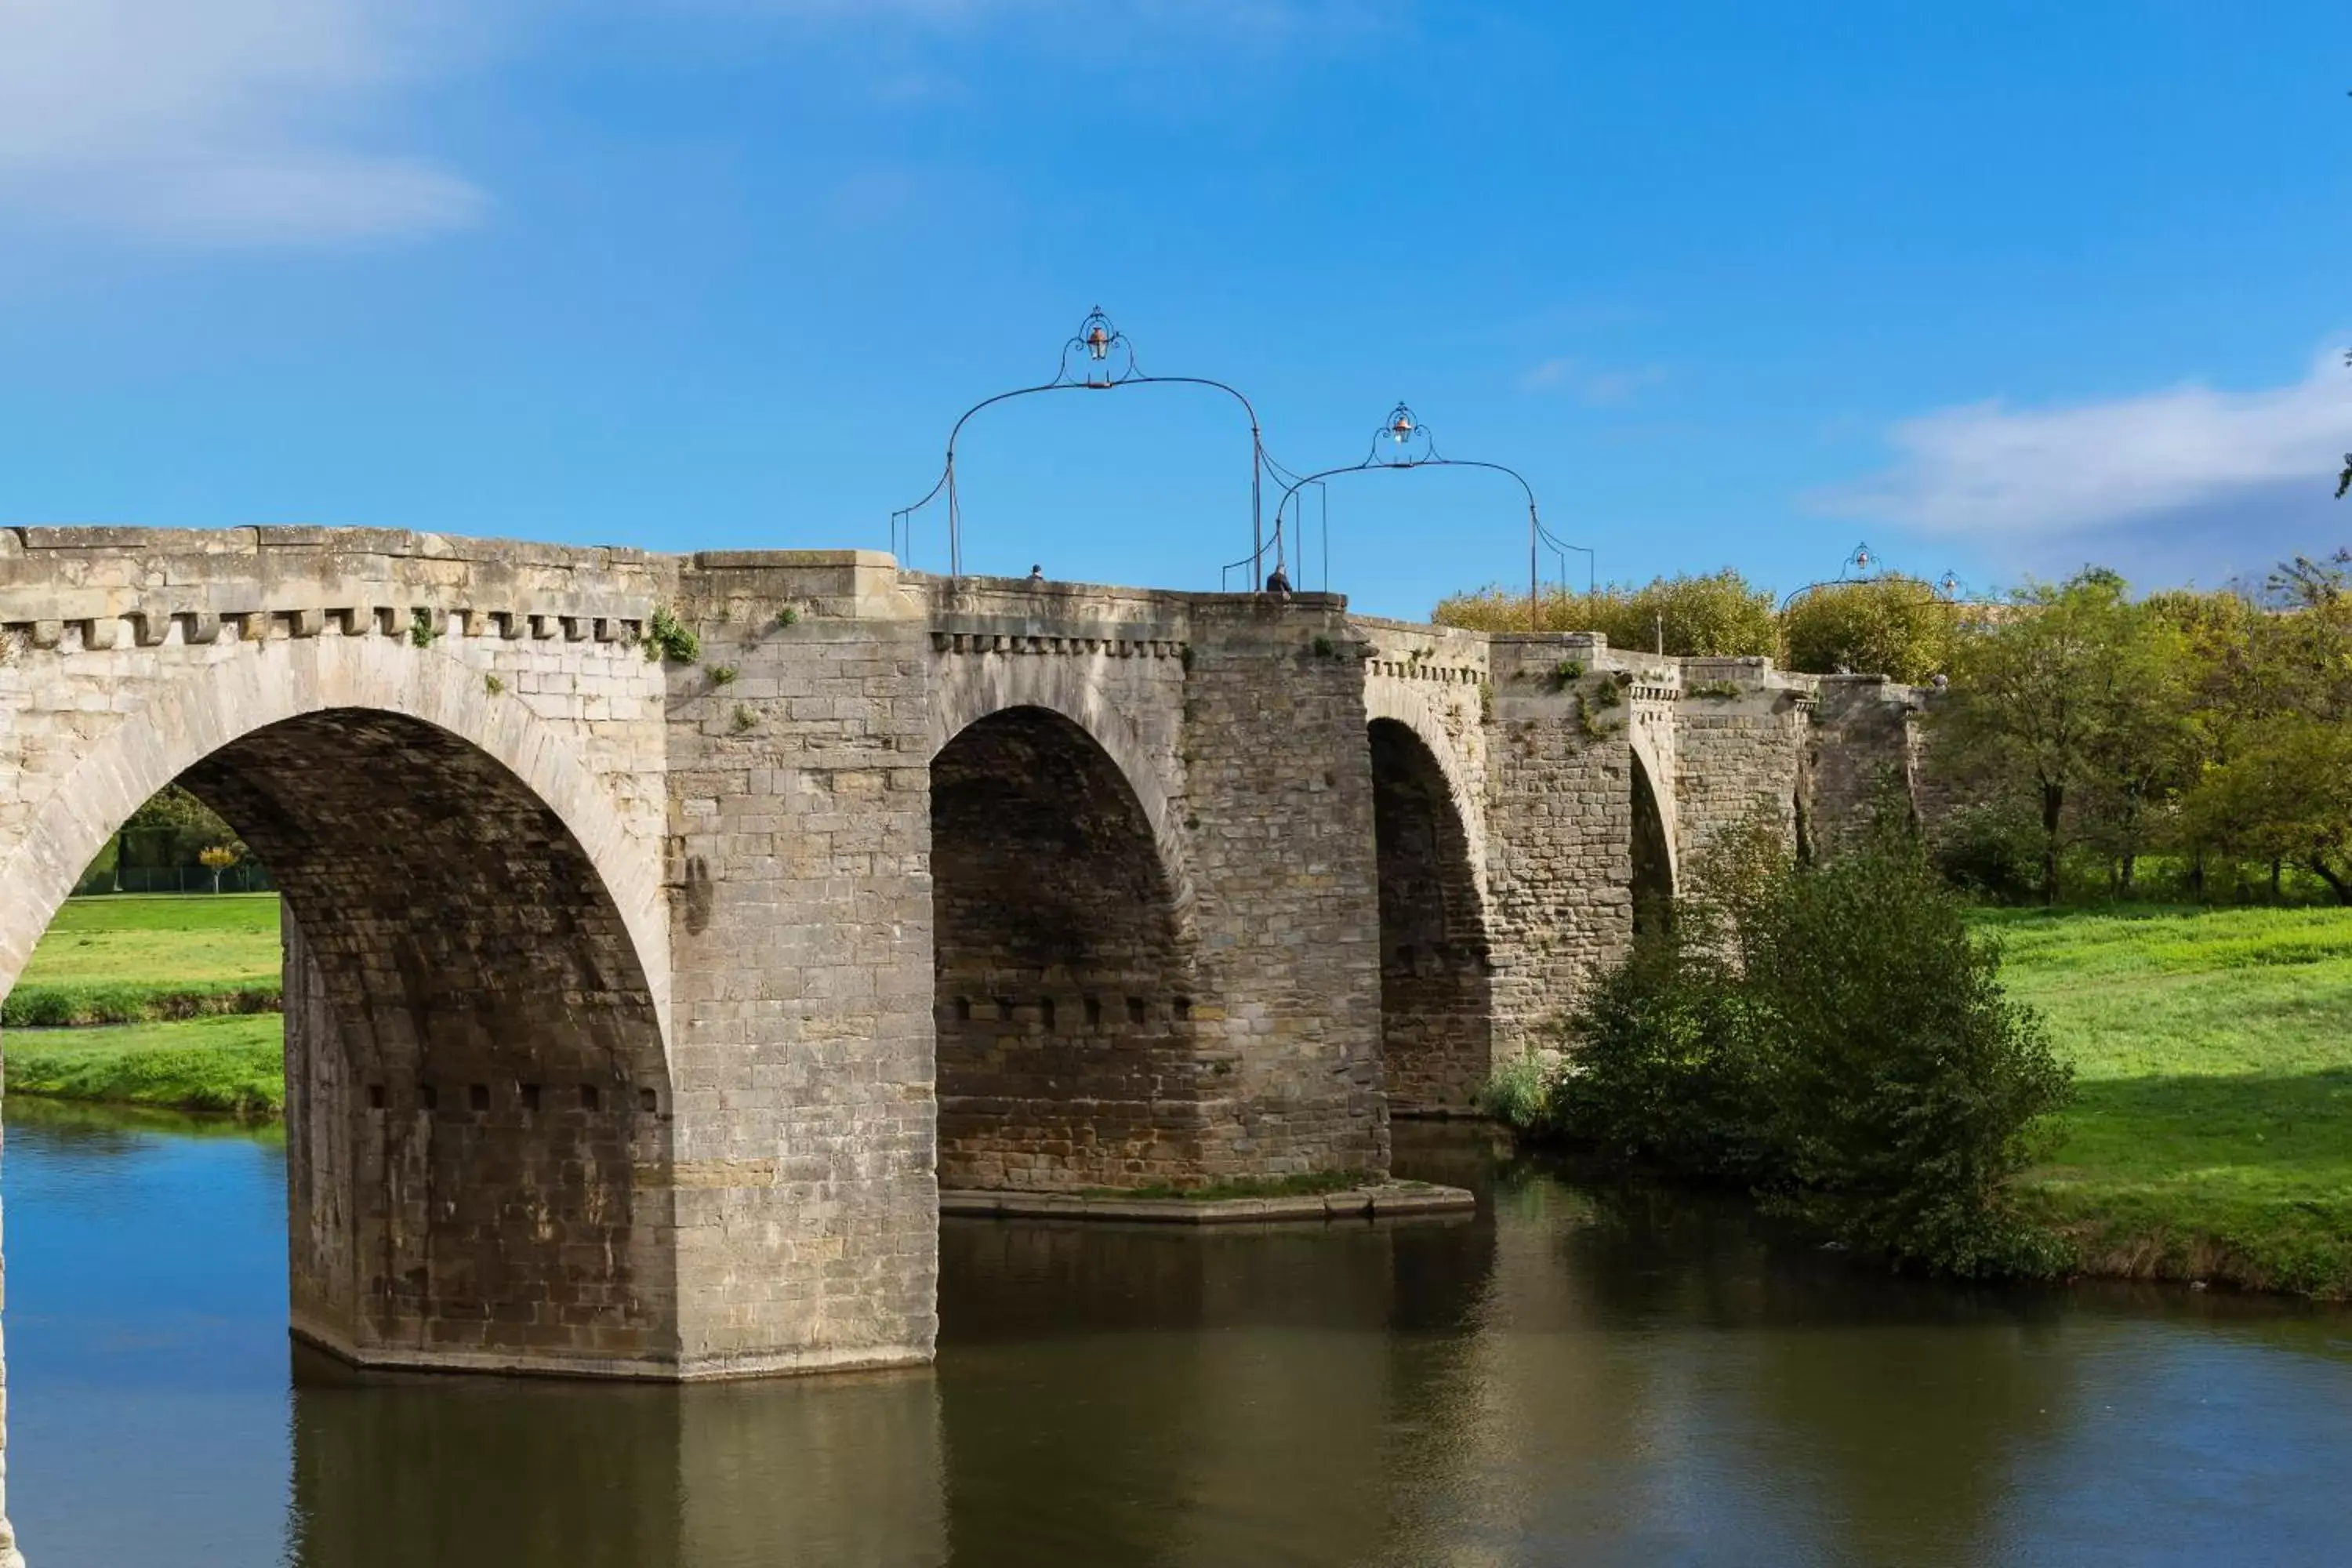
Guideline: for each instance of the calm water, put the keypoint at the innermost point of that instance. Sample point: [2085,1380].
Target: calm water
[1575,1377]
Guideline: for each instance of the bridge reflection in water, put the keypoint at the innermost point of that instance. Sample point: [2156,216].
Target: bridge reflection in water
[1577,1374]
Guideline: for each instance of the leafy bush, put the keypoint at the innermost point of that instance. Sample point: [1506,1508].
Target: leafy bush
[1718,614]
[1903,1087]
[667,638]
[1833,1037]
[76,1004]
[1518,1093]
[1990,853]
[1663,1069]
[1892,626]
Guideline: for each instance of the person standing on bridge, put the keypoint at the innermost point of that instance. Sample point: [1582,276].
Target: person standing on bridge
[1036,573]
[1278,584]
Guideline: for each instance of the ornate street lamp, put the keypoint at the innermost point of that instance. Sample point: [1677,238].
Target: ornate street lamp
[1856,568]
[1403,442]
[1097,358]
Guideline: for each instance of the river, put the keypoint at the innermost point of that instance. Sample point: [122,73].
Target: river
[1576,1376]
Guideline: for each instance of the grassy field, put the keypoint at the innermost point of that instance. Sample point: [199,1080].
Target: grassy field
[2212,1135]
[128,958]
[203,1064]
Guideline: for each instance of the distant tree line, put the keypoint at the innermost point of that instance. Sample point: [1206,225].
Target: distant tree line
[1891,625]
[2086,738]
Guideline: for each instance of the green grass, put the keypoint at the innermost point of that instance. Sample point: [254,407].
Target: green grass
[234,1064]
[128,958]
[2212,1133]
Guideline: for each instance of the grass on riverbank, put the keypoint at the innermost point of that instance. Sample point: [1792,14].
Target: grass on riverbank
[135,958]
[234,1065]
[2210,1136]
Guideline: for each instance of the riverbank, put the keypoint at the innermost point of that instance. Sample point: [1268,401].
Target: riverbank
[235,1065]
[2211,1137]
[132,958]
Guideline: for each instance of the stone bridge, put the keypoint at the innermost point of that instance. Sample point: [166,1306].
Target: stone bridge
[638,1007]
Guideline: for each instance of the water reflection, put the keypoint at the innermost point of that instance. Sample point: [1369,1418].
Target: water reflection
[1579,1374]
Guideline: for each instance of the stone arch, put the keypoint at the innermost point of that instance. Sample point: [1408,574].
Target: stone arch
[477,1080]
[1436,992]
[1395,700]
[971,688]
[196,713]
[1062,974]
[1653,880]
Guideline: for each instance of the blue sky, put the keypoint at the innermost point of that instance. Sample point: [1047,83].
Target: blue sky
[1999,288]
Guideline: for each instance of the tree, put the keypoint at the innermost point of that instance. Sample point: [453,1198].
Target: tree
[172,827]
[2071,699]
[219,857]
[1892,626]
[2287,797]
[1709,614]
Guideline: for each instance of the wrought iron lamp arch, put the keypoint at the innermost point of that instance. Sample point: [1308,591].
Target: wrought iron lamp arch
[1855,568]
[1416,447]
[1099,357]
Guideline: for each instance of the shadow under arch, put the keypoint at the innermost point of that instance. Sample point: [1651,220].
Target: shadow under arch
[1067,1055]
[477,1093]
[1653,883]
[1436,995]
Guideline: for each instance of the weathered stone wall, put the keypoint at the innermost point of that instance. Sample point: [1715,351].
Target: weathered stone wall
[1559,802]
[1863,752]
[798,863]
[1742,733]
[1286,913]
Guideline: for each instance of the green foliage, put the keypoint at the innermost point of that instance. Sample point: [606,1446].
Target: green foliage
[744,721]
[171,828]
[1325,649]
[1566,673]
[1606,695]
[77,1004]
[1835,1037]
[1718,614]
[1664,1069]
[1992,851]
[1725,689]
[234,1065]
[721,674]
[493,685]
[1892,626]
[667,638]
[421,630]
[1518,1093]
[2070,709]
[788,616]
[2287,795]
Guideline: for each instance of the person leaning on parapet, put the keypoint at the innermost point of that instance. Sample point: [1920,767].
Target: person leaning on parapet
[1036,573]
[1277,585]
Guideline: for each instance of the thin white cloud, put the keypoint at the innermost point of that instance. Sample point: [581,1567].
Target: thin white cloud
[223,122]
[2099,468]
[1594,386]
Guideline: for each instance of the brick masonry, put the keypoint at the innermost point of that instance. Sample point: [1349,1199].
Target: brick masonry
[638,1007]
